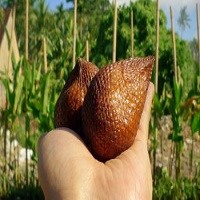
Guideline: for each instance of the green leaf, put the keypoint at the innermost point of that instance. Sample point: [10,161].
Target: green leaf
[6,84]
[38,73]
[175,137]
[157,104]
[18,94]
[27,76]
[45,92]
[16,70]
[195,126]
[177,95]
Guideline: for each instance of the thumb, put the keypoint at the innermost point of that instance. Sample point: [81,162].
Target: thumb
[143,130]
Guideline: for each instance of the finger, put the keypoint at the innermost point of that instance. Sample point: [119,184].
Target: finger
[61,140]
[144,121]
[63,145]
[60,153]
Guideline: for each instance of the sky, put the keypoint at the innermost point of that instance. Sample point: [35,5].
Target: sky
[188,34]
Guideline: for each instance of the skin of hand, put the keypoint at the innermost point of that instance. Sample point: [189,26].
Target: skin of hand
[67,170]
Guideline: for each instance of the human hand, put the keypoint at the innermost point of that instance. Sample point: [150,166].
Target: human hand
[67,170]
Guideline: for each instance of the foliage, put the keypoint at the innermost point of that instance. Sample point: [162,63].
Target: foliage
[95,23]
[40,94]
[32,192]
[144,41]
[184,188]
[89,15]
[194,48]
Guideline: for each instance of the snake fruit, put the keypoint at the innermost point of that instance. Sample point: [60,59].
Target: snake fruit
[113,106]
[68,108]
[104,107]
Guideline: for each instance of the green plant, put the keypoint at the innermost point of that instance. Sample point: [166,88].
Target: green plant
[175,108]
[159,106]
[175,189]
[192,104]
[14,99]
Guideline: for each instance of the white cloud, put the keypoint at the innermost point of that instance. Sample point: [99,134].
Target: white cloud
[177,4]
[121,2]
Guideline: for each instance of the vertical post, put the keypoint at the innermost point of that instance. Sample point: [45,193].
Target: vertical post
[176,144]
[45,54]
[132,36]
[115,33]
[174,42]
[198,34]
[87,50]
[74,40]
[26,115]
[157,43]
[155,130]
[27,10]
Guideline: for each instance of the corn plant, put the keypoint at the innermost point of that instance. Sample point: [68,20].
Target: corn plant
[182,109]
[31,96]
[175,108]
[182,188]
[157,111]
[192,104]
[14,99]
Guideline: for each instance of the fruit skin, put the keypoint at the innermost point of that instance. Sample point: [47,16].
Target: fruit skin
[113,106]
[68,108]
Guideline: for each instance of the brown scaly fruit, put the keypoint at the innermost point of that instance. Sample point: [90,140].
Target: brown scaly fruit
[69,104]
[113,106]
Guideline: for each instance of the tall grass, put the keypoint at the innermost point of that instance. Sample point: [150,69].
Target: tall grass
[31,96]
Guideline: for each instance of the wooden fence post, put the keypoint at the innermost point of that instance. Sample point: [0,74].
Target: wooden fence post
[132,36]
[45,54]
[74,39]
[115,33]
[198,33]
[174,43]
[27,14]
[87,50]
[155,137]
[157,43]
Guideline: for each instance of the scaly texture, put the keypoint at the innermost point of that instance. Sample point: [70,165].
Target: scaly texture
[113,106]
[69,105]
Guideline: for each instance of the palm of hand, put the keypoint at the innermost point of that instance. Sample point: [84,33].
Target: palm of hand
[70,171]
